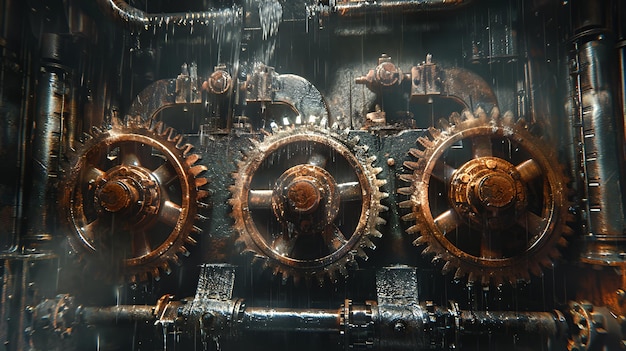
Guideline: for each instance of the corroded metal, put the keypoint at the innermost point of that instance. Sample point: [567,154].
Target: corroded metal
[120,198]
[505,206]
[318,176]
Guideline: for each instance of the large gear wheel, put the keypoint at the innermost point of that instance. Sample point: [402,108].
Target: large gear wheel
[488,198]
[307,202]
[131,199]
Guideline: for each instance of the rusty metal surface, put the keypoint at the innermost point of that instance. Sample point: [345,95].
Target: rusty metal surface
[131,198]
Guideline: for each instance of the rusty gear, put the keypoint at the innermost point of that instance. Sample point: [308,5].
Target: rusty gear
[131,196]
[487,197]
[306,202]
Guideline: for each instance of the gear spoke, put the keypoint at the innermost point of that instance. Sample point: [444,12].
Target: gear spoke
[260,199]
[443,171]
[334,238]
[283,245]
[533,223]
[350,191]
[129,154]
[529,170]
[170,212]
[490,246]
[481,146]
[90,175]
[140,245]
[318,160]
[164,175]
[447,221]
[90,229]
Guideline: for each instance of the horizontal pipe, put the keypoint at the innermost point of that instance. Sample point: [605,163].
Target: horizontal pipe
[506,322]
[361,8]
[285,319]
[116,314]
[121,11]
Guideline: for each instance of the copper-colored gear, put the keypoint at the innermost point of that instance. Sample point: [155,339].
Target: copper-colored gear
[488,198]
[130,199]
[306,202]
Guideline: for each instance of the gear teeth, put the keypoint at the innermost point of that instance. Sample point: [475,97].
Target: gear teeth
[447,268]
[425,142]
[554,254]
[417,153]
[157,126]
[196,170]
[456,119]
[201,194]
[369,244]
[191,159]
[134,121]
[379,182]
[185,148]
[201,181]
[165,267]
[546,262]
[459,273]
[361,254]
[411,165]
[562,242]
[117,123]
[156,274]
[481,114]
[535,269]
[380,221]
[183,251]
[375,233]
[428,250]
[376,171]
[444,124]
[414,229]
[190,240]
[409,217]
[406,204]
[434,132]
[96,131]
[495,113]
[468,115]
[174,259]
[407,177]
[405,191]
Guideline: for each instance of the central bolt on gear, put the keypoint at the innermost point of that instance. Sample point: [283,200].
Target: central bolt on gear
[306,202]
[488,198]
[132,196]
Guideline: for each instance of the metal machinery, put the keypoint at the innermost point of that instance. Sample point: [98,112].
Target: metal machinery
[278,175]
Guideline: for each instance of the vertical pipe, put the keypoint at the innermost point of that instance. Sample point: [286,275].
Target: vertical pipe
[595,129]
[47,142]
